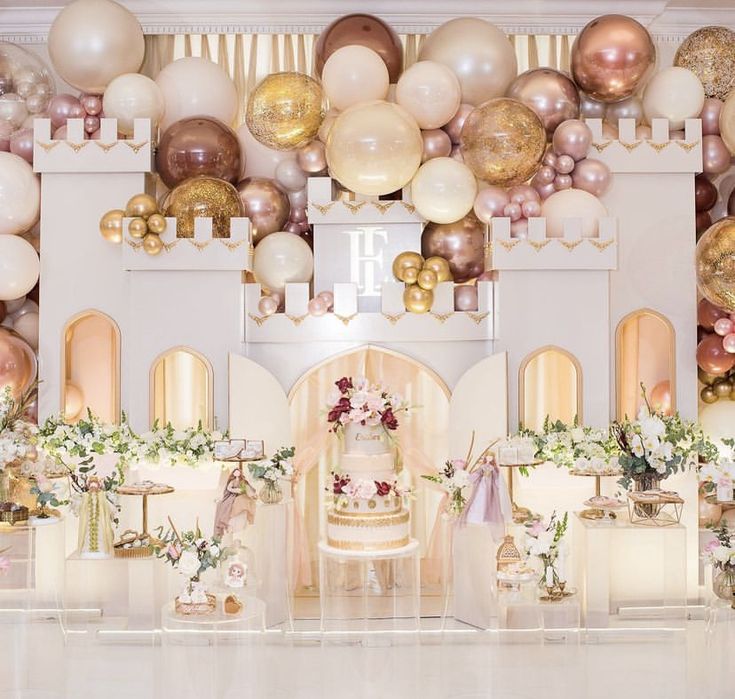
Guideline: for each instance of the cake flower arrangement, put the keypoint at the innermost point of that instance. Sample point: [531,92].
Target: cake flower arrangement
[344,487]
[360,402]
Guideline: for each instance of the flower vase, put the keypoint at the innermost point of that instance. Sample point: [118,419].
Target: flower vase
[271,493]
[723,585]
[195,600]
[649,480]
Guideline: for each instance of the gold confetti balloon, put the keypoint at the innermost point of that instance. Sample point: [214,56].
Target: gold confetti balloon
[716,264]
[285,110]
[201,197]
[709,53]
[503,141]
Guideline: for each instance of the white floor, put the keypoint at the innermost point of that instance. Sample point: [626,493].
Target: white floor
[37,662]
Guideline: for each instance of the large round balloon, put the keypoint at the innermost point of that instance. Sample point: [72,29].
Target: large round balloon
[361,30]
[259,160]
[478,53]
[19,267]
[374,148]
[265,204]
[17,363]
[611,57]
[133,96]
[198,146]
[572,203]
[354,74]
[709,53]
[503,142]
[461,243]
[26,85]
[430,93]
[196,87]
[716,264]
[200,197]
[443,190]
[717,420]
[285,110]
[550,93]
[20,194]
[93,41]
[727,123]
[674,94]
[282,258]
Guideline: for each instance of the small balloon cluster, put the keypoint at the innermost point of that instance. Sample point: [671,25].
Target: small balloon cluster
[147,223]
[322,303]
[421,277]
[518,203]
[65,106]
[716,352]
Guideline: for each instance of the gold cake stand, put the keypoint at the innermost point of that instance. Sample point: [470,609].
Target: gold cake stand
[520,514]
[595,512]
[141,551]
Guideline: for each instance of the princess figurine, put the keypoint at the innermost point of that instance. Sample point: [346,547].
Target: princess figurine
[95,522]
[236,509]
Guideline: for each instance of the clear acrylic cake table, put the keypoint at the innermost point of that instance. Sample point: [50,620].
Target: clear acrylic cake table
[370,590]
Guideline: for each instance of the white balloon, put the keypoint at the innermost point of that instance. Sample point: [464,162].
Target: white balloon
[195,87]
[430,93]
[443,190]
[717,420]
[675,94]
[572,203]
[27,327]
[18,267]
[20,195]
[133,96]
[281,258]
[290,175]
[354,74]
[259,160]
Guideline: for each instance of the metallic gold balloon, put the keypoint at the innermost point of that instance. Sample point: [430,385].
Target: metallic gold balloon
[709,53]
[152,244]
[406,260]
[612,57]
[157,224]
[503,142]
[715,259]
[142,205]
[411,275]
[200,197]
[722,388]
[441,267]
[417,300]
[427,279]
[137,228]
[708,395]
[111,226]
[285,110]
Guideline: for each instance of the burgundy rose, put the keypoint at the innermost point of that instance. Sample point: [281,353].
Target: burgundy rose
[343,406]
[389,420]
[339,483]
[383,488]
[344,384]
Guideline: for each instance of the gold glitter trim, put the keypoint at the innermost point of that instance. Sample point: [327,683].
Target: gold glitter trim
[258,320]
[658,147]
[135,147]
[441,317]
[197,244]
[630,147]
[106,147]
[368,546]
[383,207]
[323,209]
[570,244]
[48,146]
[354,208]
[601,146]
[345,319]
[373,519]
[76,147]
[477,318]
[393,319]
[685,146]
[297,320]
[538,246]
[345,512]
[509,244]
[601,245]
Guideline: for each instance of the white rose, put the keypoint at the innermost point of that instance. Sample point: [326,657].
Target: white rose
[214,550]
[722,554]
[637,448]
[188,563]
[652,426]
[578,434]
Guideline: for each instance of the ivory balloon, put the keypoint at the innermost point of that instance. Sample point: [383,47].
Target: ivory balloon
[430,93]
[91,42]
[674,94]
[572,203]
[550,93]
[717,421]
[196,87]
[281,258]
[727,123]
[27,327]
[374,148]
[443,190]
[354,74]
[18,364]
[20,194]
[133,96]
[259,160]
[477,52]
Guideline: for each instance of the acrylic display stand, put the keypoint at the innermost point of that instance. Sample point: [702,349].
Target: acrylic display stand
[370,590]
[523,617]
[630,577]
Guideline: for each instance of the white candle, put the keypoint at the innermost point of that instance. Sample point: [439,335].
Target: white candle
[549,576]
[560,567]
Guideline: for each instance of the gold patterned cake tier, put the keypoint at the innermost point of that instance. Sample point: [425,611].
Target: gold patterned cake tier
[368,532]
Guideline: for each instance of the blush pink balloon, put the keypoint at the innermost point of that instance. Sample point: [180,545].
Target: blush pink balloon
[531,208]
[562,182]
[312,157]
[677,135]
[465,297]
[454,126]
[512,211]
[91,123]
[728,343]
[592,176]
[96,135]
[545,175]
[292,227]
[267,306]
[609,132]
[572,137]
[549,158]
[519,229]
[21,143]
[545,189]
[437,144]
[297,215]
[710,116]
[92,104]
[523,192]
[488,276]
[490,202]
[564,164]
[723,326]
[60,133]
[327,297]
[298,199]
[317,307]
[456,154]
[643,132]
[62,107]
[715,155]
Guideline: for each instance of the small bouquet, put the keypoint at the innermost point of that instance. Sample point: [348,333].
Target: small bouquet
[720,551]
[455,480]
[363,403]
[46,494]
[544,541]
[279,466]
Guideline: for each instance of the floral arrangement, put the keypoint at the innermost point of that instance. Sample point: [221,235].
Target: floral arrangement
[454,478]
[657,445]
[279,466]
[363,403]
[169,447]
[46,494]
[364,489]
[544,541]
[720,551]
[16,433]
[189,552]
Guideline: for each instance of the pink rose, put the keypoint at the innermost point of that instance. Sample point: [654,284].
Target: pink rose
[173,552]
[4,565]
[711,546]
[459,464]
[537,528]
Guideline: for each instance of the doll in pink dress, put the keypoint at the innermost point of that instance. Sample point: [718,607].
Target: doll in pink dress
[236,509]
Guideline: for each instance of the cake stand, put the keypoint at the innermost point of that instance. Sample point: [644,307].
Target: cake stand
[144,492]
[520,514]
[595,512]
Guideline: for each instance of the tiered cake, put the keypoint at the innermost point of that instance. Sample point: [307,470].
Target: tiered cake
[368,512]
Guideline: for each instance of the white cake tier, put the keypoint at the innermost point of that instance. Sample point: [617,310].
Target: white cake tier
[371,467]
[368,532]
[364,439]
[357,507]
